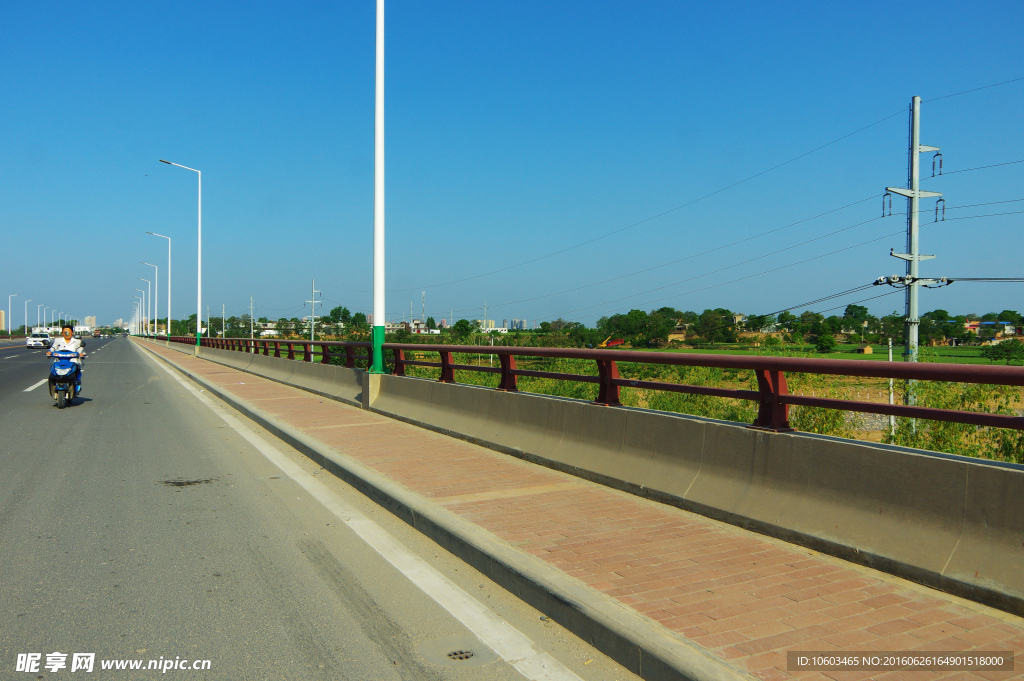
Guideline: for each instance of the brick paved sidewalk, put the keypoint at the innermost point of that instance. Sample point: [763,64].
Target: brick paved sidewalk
[743,596]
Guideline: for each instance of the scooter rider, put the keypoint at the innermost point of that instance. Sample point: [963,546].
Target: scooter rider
[68,343]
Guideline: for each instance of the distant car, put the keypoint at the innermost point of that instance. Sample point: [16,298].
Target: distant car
[38,340]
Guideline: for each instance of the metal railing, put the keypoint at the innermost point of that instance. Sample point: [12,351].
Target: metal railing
[772,395]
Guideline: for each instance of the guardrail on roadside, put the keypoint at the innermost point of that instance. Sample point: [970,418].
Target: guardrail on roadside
[772,395]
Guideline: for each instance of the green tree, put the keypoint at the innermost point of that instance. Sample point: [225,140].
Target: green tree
[431,324]
[856,312]
[359,320]
[1010,316]
[1013,350]
[826,343]
[462,329]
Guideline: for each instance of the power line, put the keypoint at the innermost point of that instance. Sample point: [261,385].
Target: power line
[731,281]
[983,87]
[578,288]
[653,217]
[966,170]
[690,257]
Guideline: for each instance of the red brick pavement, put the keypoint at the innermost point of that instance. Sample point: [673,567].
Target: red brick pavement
[745,597]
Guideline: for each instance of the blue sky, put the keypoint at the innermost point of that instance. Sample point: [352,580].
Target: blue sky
[515,131]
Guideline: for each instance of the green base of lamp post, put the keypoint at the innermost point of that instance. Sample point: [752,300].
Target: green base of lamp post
[377,367]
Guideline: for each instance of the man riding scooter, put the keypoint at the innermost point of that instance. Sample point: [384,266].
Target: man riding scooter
[68,343]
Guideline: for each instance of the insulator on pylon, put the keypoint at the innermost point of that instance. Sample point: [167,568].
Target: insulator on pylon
[943,202]
[937,157]
[884,196]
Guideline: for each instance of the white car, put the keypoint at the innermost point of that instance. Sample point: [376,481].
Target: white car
[38,340]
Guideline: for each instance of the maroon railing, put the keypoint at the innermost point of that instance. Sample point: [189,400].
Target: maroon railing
[273,348]
[772,395]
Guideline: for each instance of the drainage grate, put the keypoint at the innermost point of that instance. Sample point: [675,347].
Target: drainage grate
[460,654]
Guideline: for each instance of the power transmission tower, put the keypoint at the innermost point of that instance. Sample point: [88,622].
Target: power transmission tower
[913,256]
[312,311]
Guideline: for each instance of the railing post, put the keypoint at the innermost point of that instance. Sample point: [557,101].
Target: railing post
[772,414]
[277,348]
[325,354]
[508,379]
[307,352]
[350,357]
[291,350]
[608,393]
[447,372]
[399,362]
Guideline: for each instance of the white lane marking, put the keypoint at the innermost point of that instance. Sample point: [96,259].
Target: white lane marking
[508,642]
[11,356]
[33,387]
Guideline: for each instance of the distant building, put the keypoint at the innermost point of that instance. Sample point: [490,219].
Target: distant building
[118,323]
[485,324]
[3,319]
[91,321]
[864,349]
[517,324]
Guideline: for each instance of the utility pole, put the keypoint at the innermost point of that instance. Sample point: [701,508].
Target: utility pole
[485,314]
[423,312]
[312,311]
[250,319]
[913,256]
[222,329]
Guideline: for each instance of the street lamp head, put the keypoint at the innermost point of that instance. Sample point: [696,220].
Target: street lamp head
[167,162]
[148,263]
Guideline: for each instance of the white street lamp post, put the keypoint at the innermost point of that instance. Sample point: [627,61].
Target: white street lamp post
[156,298]
[13,295]
[143,320]
[199,262]
[377,366]
[149,312]
[138,315]
[168,284]
[38,311]
[26,316]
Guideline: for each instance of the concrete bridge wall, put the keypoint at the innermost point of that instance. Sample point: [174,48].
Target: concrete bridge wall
[949,522]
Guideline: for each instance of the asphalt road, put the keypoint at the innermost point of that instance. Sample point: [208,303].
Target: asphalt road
[136,524]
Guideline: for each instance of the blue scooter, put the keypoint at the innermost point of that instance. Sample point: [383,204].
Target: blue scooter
[63,377]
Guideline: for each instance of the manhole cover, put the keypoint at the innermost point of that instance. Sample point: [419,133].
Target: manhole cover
[460,654]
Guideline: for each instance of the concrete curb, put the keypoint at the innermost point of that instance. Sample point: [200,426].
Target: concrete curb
[639,644]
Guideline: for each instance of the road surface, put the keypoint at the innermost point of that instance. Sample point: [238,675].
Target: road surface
[139,524]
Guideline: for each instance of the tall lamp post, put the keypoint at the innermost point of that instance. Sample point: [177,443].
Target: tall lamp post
[156,297]
[39,309]
[138,314]
[199,261]
[168,284]
[26,316]
[142,315]
[377,366]
[149,297]
[13,295]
